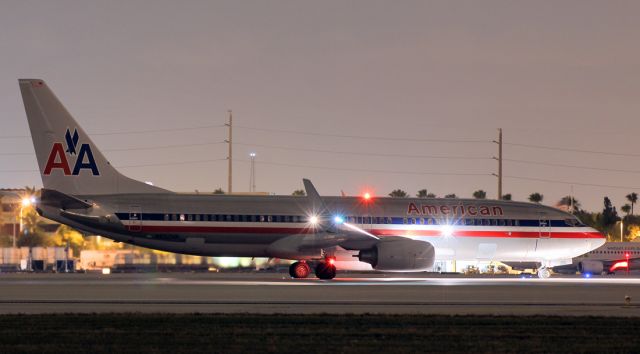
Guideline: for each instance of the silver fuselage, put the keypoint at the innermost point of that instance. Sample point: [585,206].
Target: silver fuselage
[245,226]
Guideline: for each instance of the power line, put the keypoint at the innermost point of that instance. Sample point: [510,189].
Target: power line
[572,183]
[370,170]
[172,163]
[286,165]
[555,148]
[572,166]
[365,153]
[165,146]
[157,147]
[162,130]
[363,137]
[127,132]
[133,166]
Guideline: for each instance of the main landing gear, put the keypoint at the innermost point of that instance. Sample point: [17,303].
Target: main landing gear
[324,269]
[299,270]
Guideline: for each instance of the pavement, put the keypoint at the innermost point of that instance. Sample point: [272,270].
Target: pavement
[349,293]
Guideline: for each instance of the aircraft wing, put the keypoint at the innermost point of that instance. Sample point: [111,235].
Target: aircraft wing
[622,264]
[330,231]
[608,266]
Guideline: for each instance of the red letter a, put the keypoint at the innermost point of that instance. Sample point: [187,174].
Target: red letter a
[57,150]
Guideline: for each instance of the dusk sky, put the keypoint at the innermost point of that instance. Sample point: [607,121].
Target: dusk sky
[355,95]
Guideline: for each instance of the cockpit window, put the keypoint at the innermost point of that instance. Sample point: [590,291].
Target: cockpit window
[574,222]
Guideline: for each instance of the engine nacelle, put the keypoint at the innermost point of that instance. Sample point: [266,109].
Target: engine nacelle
[399,255]
[588,266]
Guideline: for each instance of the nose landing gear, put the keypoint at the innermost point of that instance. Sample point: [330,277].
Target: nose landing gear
[544,273]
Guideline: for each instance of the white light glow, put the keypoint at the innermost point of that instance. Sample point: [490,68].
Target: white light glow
[447,230]
[355,228]
[26,202]
[338,219]
[313,220]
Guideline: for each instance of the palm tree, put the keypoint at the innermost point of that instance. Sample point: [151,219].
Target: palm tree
[398,193]
[218,191]
[423,193]
[626,209]
[66,234]
[507,196]
[536,197]
[451,196]
[480,194]
[632,198]
[431,195]
[299,192]
[32,233]
[570,202]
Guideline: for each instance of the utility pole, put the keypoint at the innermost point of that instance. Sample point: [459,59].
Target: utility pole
[230,155]
[252,178]
[499,159]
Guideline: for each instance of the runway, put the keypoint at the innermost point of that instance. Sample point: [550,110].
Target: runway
[277,293]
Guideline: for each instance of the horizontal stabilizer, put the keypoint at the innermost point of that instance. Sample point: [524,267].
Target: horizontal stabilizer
[105,222]
[63,201]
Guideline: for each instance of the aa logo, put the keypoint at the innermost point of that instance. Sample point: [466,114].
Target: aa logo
[82,157]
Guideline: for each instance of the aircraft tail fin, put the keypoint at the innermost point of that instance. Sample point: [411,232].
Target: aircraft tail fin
[69,161]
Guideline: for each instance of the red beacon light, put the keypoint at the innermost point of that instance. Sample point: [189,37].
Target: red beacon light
[366,196]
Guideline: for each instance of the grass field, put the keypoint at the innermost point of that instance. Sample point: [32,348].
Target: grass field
[155,333]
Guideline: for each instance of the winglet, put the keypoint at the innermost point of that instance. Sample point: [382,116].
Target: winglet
[317,204]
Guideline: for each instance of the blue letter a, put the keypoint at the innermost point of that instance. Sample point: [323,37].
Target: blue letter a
[80,164]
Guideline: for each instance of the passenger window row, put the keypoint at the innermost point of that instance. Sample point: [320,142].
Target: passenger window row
[615,252]
[235,218]
[357,220]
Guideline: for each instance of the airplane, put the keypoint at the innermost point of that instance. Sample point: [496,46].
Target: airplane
[83,190]
[606,259]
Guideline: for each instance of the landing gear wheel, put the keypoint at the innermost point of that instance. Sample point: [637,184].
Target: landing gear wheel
[544,273]
[299,270]
[325,270]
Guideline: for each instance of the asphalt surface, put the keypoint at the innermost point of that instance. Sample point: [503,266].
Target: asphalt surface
[277,293]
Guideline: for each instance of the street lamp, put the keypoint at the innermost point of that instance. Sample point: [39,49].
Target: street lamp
[25,203]
[252,178]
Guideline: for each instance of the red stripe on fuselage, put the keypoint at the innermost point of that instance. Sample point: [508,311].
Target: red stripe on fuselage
[487,233]
[377,232]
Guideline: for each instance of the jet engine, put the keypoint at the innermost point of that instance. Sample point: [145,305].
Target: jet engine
[589,266]
[399,255]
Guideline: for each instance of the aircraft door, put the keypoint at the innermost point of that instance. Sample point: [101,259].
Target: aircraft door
[544,234]
[545,228]
[135,218]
